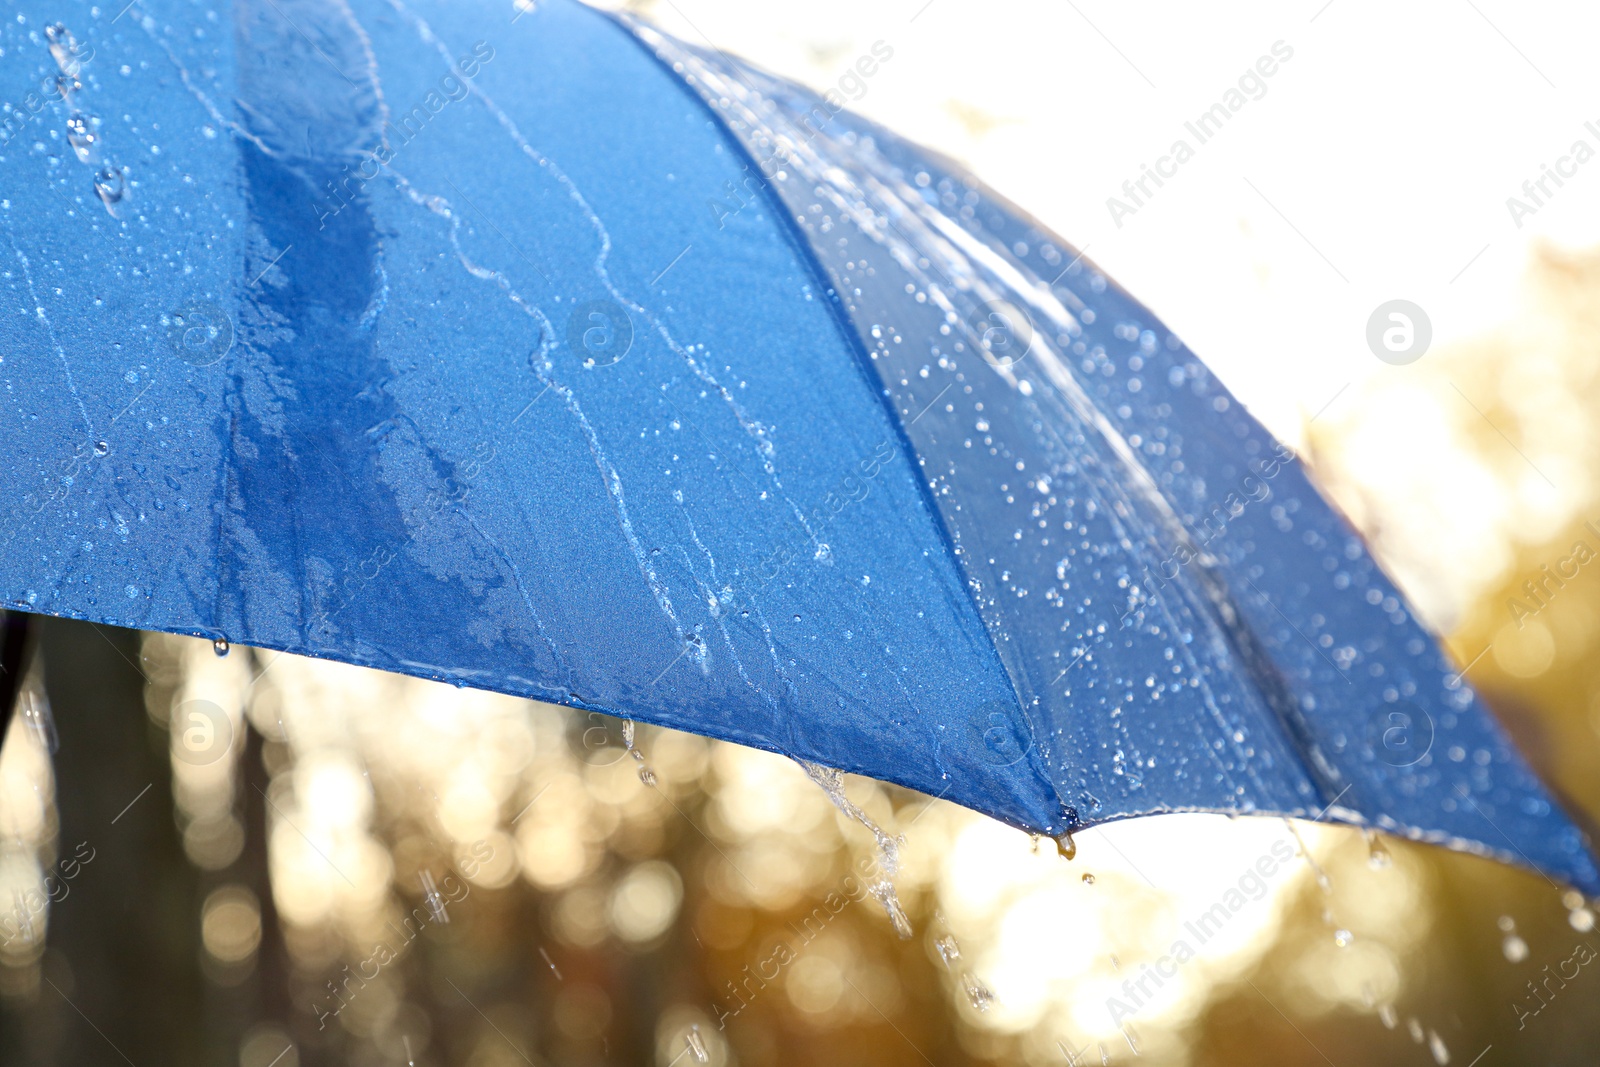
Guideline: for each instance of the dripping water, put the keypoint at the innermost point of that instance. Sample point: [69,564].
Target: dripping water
[430,892]
[979,995]
[646,775]
[697,1045]
[40,722]
[1377,855]
[832,783]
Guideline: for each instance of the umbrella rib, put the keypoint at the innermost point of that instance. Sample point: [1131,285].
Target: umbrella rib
[1299,631]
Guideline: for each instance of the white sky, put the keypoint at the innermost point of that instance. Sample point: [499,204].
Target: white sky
[1390,142]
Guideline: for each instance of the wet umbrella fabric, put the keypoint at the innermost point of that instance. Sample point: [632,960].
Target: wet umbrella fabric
[537,352]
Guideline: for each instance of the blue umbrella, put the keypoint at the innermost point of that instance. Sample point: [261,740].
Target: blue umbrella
[530,350]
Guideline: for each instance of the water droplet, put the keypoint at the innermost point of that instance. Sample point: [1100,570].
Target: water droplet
[1506,924]
[220,646]
[949,949]
[81,136]
[647,776]
[111,185]
[1088,879]
[101,448]
[1441,1055]
[36,714]
[1515,949]
[980,996]
[1342,938]
[1066,847]
[63,47]
[885,894]
[832,783]
[1377,856]
[1386,1013]
[430,892]
[1415,1029]
[1581,919]
[66,85]
[697,1045]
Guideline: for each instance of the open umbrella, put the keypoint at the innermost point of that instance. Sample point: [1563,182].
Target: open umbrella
[535,351]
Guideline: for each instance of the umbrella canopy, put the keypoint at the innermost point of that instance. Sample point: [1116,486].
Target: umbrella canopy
[524,349]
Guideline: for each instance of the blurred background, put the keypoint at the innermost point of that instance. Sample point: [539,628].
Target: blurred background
[298,862]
